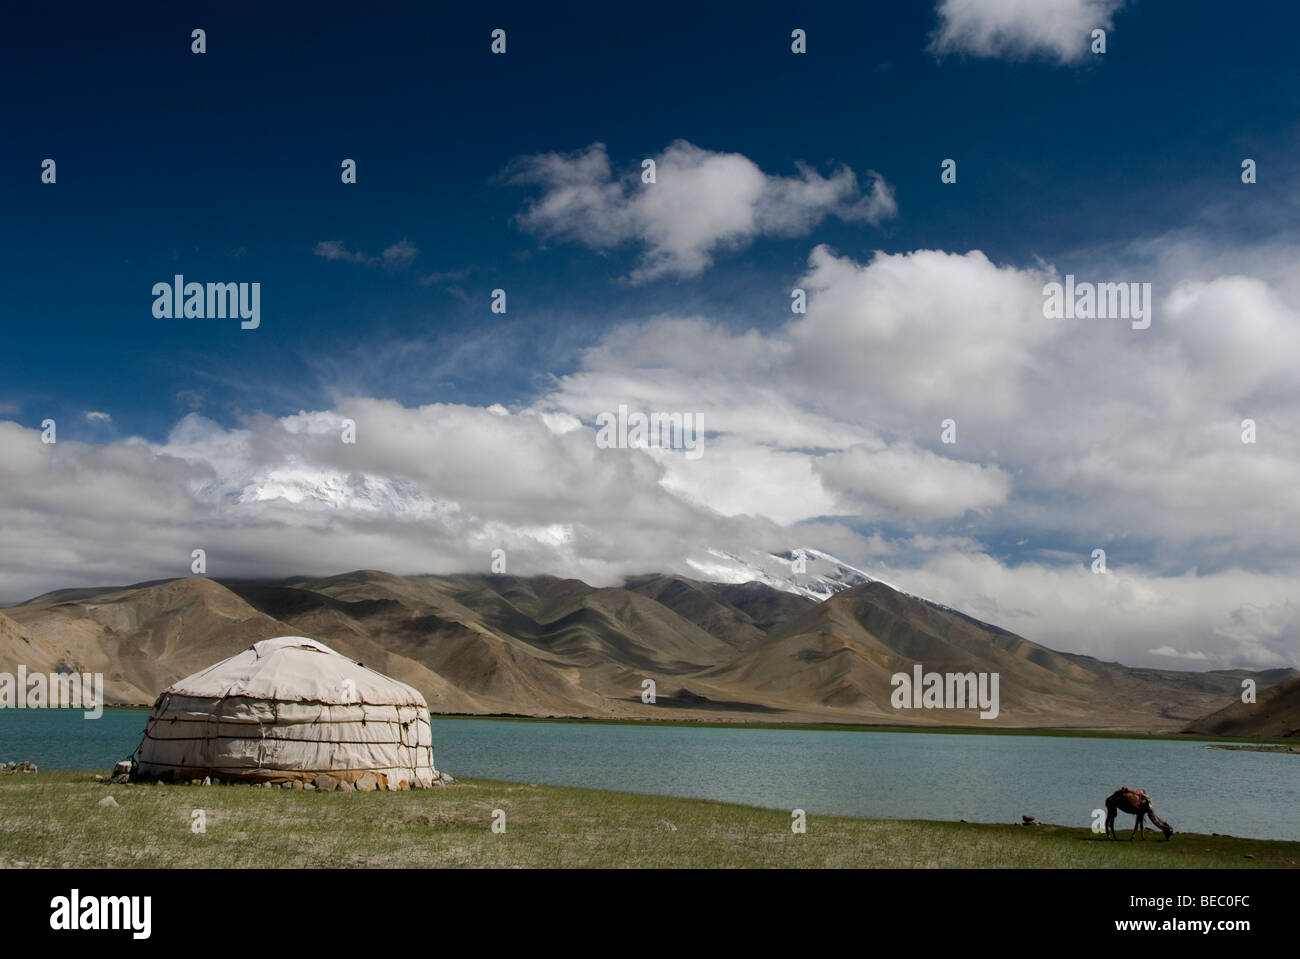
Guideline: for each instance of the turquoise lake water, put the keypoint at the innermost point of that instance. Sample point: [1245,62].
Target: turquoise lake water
[981,778]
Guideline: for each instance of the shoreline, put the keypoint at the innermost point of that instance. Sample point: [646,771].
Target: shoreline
[1279,743]
[1261,747]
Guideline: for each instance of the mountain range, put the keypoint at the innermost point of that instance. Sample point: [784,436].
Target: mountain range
[772,645]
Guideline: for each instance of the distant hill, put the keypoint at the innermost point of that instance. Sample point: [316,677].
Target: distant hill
[1275,714]
[549,646]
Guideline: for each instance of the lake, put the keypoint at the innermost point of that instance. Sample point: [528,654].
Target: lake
[981,778]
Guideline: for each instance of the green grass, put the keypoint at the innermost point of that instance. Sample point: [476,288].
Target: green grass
[51,820]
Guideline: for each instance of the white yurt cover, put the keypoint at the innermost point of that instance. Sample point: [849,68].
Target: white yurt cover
[285,709]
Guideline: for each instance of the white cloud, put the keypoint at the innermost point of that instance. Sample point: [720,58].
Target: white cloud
[1019,29]
[1080,431]
[922,331]
[1070,435]
[909,483]
[95,416]
[1117,615]
[427,489]
[335,250]
[1170,651]
[399,256]
[735,477]
[702,202]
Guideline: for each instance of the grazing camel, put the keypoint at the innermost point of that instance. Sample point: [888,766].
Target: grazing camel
[1137,803]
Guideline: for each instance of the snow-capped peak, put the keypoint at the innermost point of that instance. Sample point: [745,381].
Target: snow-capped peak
[805,571]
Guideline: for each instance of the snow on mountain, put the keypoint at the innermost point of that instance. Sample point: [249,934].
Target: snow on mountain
[802,570]
[818,576]
[310,488]
[808,572]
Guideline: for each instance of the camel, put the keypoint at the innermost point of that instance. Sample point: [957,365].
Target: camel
[1137,803]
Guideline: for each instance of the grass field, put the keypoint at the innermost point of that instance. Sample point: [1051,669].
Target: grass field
[52,820]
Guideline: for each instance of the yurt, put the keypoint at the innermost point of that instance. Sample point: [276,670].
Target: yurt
[289,709]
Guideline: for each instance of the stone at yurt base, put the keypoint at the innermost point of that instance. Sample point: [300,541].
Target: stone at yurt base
[290,710]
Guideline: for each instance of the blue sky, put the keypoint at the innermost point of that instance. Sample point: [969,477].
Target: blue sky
[225,166]
[821,171]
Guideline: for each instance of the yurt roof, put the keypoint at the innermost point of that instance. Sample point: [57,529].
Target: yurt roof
[295,669]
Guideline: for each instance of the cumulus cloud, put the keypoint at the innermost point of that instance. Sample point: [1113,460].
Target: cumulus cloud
[1116,615]
[425,489]
[1079,433]
[825,431]
[907,482]
[921,331]
[1083,431]
[701,203]
[96,416]
[1019,29]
